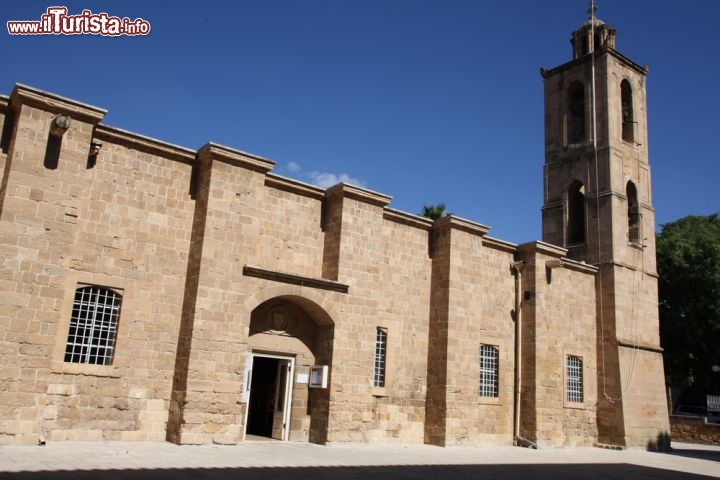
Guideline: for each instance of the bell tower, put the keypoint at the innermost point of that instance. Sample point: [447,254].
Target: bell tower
[598,205]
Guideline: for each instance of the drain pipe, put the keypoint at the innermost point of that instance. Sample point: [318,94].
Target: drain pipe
[518,267]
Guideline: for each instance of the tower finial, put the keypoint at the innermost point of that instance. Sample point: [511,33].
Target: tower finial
[592,9]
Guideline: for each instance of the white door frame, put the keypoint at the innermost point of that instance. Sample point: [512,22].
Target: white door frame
[249,363]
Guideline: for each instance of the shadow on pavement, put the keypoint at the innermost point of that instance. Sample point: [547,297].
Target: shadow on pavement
[417,472]
[713,455]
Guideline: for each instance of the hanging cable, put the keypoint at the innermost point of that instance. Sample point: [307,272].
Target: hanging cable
[597,198]
[636,283]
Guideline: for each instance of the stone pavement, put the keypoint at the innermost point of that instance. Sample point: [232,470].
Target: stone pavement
[276,460]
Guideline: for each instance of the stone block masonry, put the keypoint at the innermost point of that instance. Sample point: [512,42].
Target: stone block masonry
[150,292]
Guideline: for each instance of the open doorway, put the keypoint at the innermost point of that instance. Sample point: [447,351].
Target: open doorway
[278,325]
[269,406]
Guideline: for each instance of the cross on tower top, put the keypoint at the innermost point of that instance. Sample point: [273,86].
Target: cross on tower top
[592,9]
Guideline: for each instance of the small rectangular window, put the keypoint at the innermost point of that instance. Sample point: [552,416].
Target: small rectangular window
[380,356]
[574,379]
[489,371]
[93,326]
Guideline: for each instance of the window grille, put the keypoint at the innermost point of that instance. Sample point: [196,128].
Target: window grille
[489,370]
[380,356]
[574,379]
[93,326]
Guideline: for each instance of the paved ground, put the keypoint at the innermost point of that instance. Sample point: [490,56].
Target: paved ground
[116,461]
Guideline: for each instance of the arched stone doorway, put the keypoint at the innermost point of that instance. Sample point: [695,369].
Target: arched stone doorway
[288,335]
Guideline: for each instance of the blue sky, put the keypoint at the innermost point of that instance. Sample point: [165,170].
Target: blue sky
[427,101]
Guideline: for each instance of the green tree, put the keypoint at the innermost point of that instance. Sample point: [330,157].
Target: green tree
[688,255]
[433,212]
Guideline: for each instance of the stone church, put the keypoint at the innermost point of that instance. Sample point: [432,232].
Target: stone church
[150,292]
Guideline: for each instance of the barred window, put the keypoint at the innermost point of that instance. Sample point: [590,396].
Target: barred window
[380,356]
[93,326]
[574,379]
[489,369]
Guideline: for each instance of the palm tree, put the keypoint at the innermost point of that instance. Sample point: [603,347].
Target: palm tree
[433,212]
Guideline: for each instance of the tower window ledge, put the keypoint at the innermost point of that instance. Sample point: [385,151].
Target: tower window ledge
[632,143]
[578,145]
[637,245]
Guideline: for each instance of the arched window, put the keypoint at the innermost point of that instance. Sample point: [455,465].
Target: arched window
[576,214]
[576,113]
[628,124]
[633,213]
[93,326]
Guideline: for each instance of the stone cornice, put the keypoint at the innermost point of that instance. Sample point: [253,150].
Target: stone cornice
[24,95]
[615,263]
[458,223]
[143,143]
[358,193]
[551,205]
[407,219]
[545,73]
[593,196]
[577,266]
[294,186]
[560,260]
[642,70]
[543,248]
[499,244]
[4,102]
[620,195]
[294,279]
[213,151]
[639,346]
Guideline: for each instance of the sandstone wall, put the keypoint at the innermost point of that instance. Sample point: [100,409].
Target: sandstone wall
[122,221]
[482,299]
[205,245]
[694,430]
[558,321]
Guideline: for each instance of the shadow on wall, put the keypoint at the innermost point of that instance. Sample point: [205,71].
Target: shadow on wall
[417,472]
